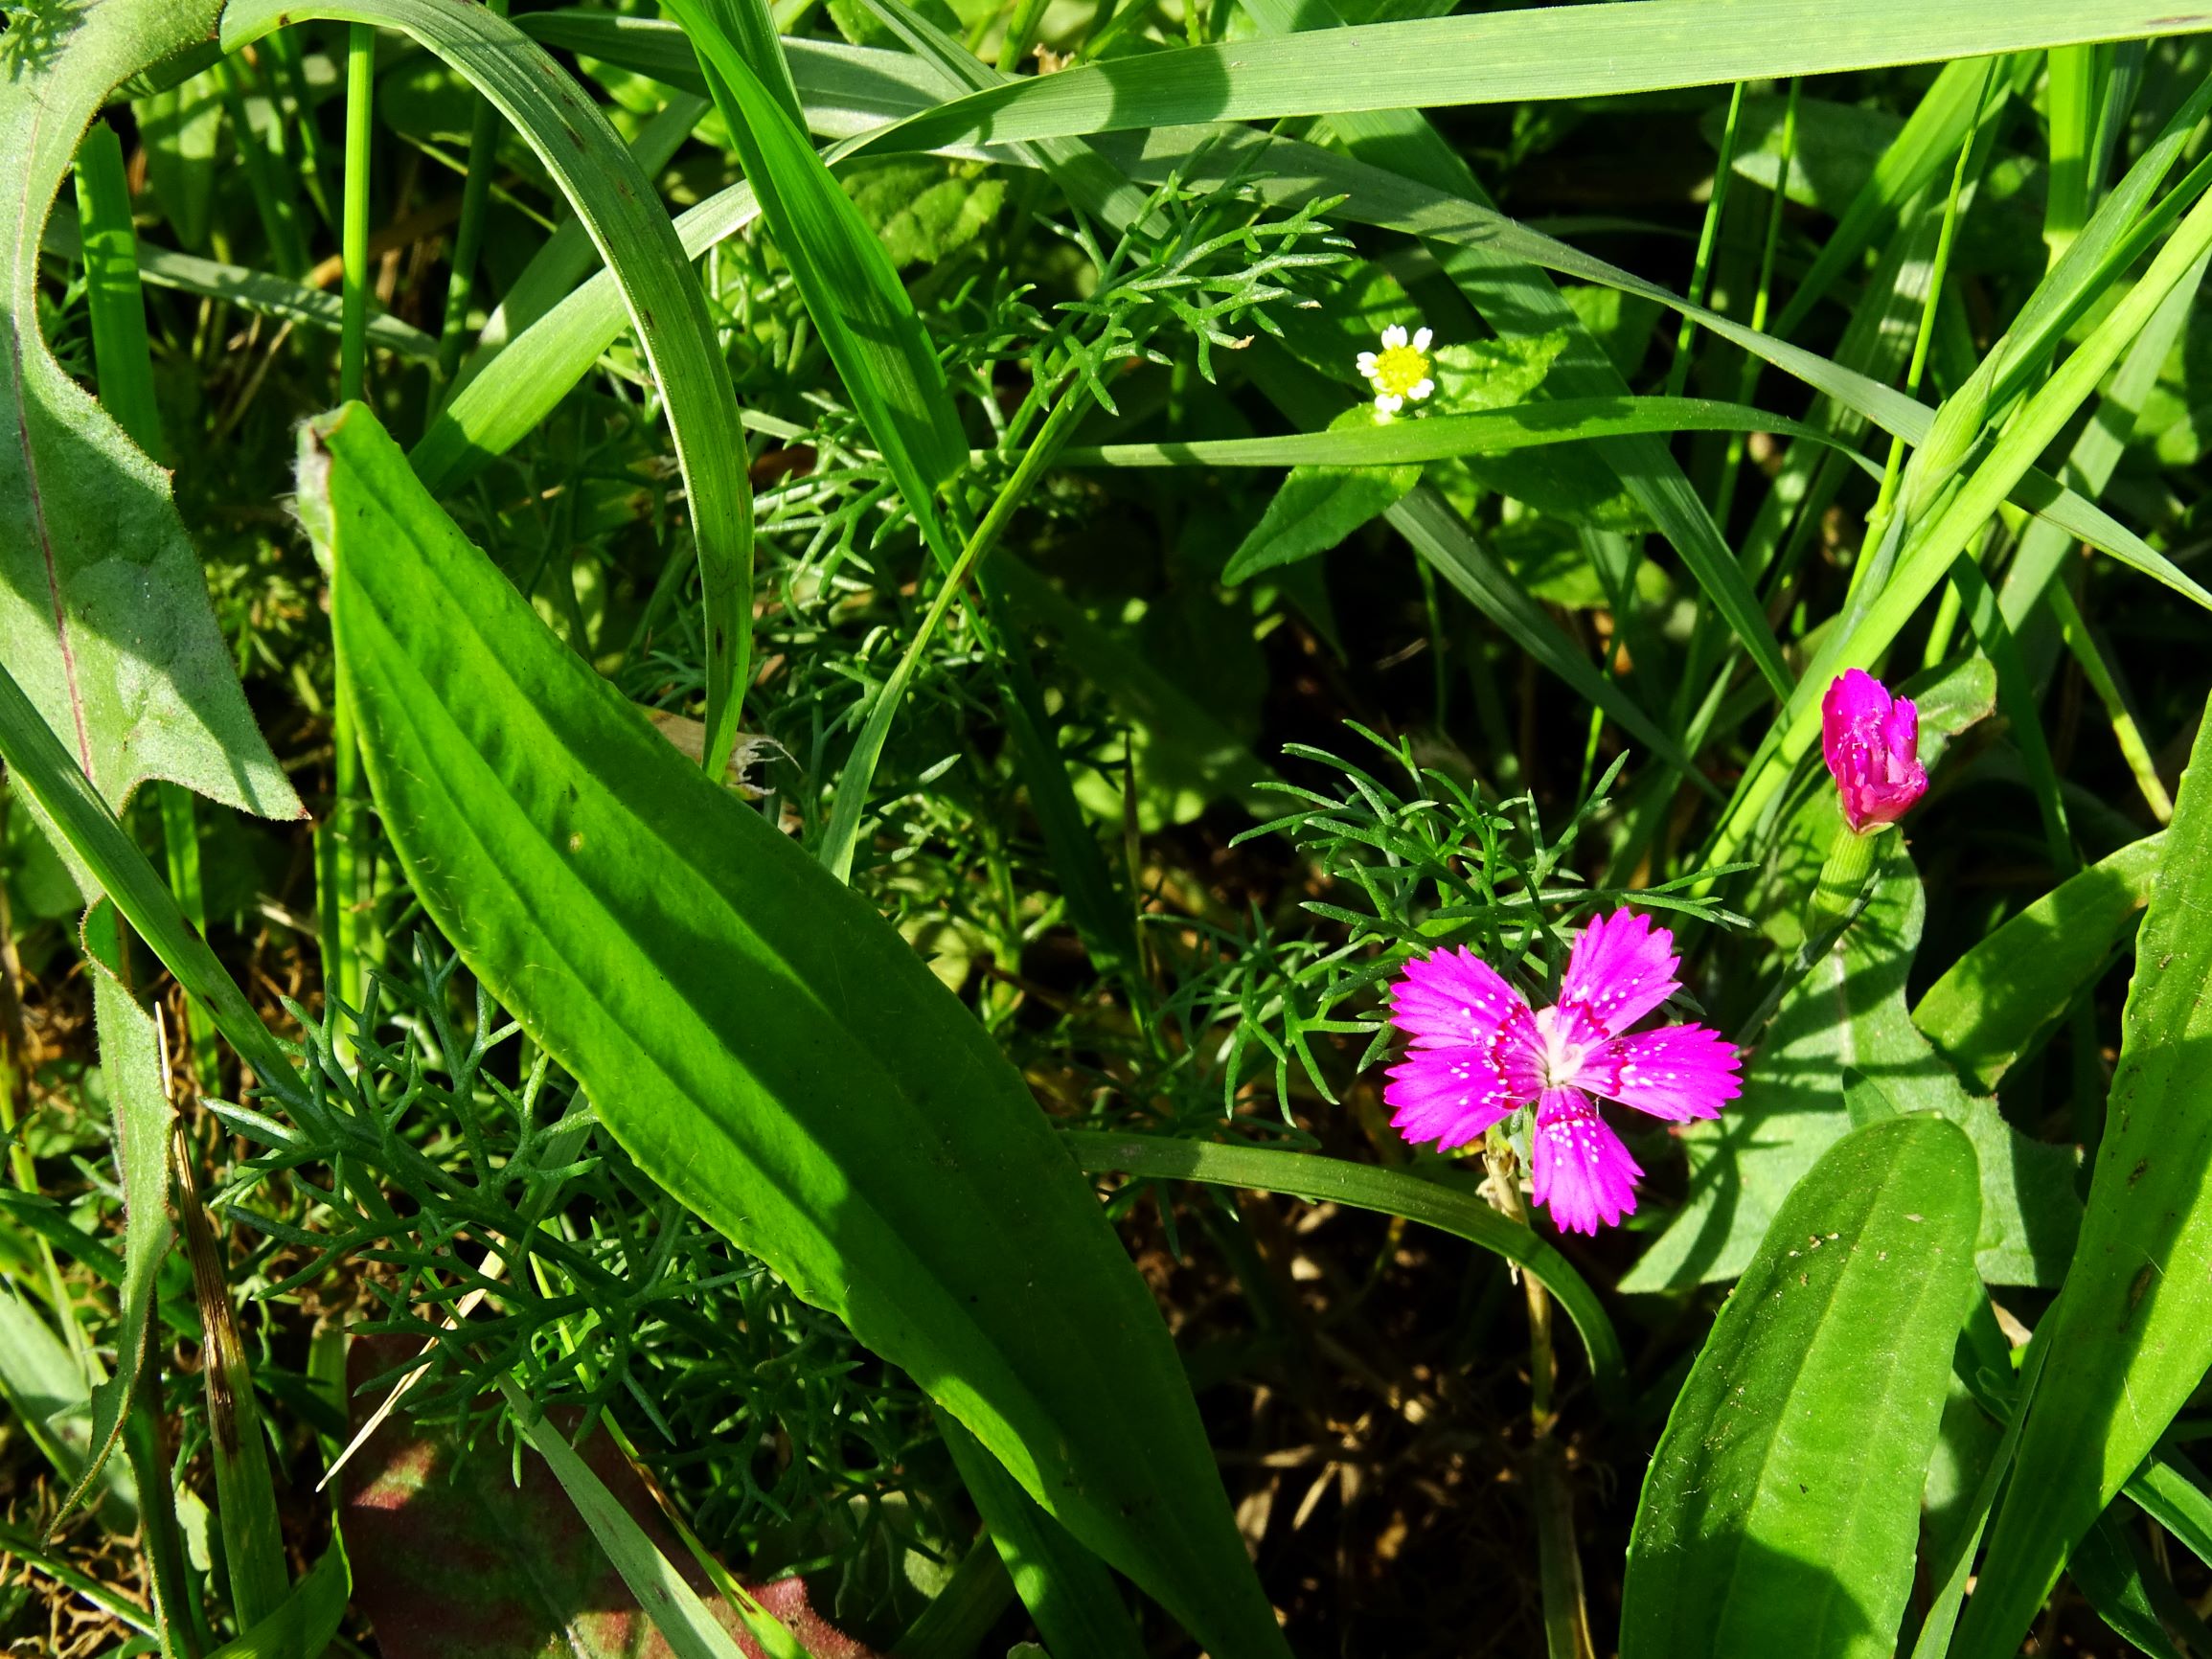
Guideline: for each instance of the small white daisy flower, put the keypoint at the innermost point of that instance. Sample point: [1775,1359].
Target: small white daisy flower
[1401,371]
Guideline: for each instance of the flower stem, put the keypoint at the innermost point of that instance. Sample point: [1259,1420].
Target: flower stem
[1567,1619]
[1843,878]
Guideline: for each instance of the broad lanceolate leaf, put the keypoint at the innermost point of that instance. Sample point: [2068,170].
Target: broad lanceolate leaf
[2131,1335]
[103,613]
[761,1040]
[1782,1507]
[1993,1002]
[661,295]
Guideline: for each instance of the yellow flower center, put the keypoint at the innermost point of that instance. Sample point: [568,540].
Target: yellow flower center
[1398,370]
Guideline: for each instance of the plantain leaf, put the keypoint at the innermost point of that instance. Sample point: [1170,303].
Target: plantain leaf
[104,619]
[763,1042]
[2131,1335]
[659,293]
[1068,1591]
[1782,1507]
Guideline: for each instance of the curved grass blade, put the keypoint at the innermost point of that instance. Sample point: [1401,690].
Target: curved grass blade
[1365,1186]
[2130,1335]
[1993,1003]
[1514,57]
[617,205]
[259,291]
[760,1039]
[866,318]
[1782,1507]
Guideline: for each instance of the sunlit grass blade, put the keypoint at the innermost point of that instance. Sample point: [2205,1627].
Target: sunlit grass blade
[1931,137]
[257,292]
[1513,56]
[659,291]
[2130,1336]
[1444,436]
[867,322]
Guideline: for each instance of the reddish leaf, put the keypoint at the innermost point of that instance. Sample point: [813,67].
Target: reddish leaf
[453,1561]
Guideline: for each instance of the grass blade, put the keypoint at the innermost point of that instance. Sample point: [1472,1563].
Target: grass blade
[1514,57]
[2129,1335]
[616,203]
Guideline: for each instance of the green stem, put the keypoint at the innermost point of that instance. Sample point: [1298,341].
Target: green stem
[338,862]
[1877,521]
[839,840]
[354,248]
[1843,877]
[1748,381]
[1678,374]
[468,234]
[116,302]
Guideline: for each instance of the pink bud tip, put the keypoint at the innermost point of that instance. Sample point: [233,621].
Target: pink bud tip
[1871,742]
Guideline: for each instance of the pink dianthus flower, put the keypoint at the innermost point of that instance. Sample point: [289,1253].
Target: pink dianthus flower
[1479,1053]
[1871,742]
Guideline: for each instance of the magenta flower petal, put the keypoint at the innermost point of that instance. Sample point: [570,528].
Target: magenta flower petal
[1578,1170]
[1678,1072]
[1871,742]
[1448,1096]
[1451,998]
[1620,969]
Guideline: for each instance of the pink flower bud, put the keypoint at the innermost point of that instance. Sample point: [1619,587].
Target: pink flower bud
[1871,742]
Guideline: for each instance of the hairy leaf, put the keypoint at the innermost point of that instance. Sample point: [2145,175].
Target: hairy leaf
[105,619]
